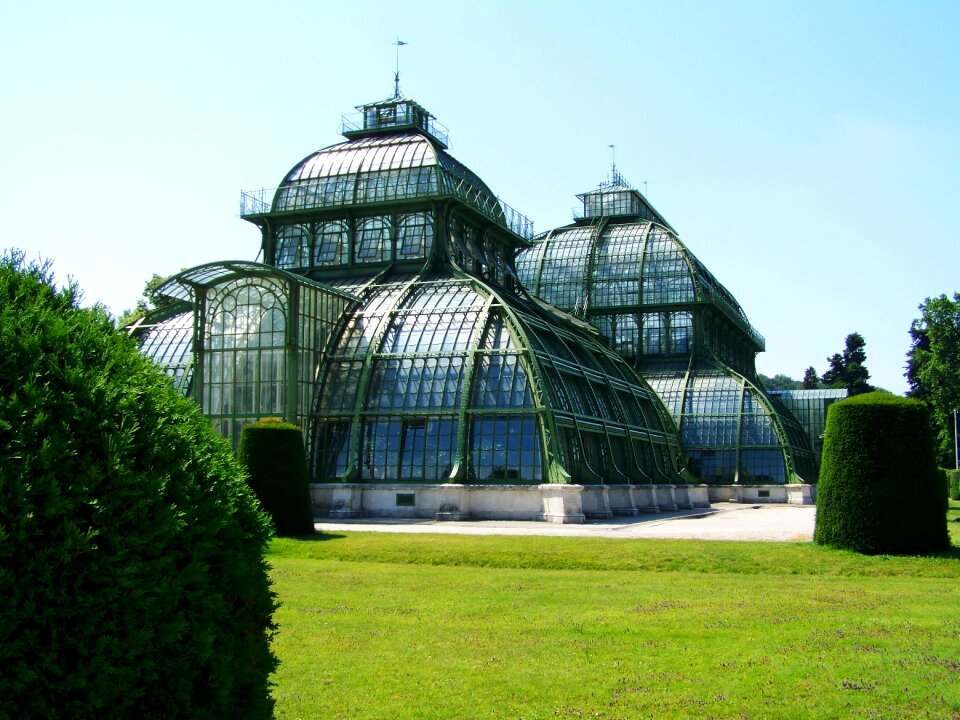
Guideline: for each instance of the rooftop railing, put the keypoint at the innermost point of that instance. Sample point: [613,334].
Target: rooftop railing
[405,116]
[260,202]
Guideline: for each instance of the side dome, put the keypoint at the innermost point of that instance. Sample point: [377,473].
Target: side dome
[597,270]
[443,379]
[620,267]
[732,430]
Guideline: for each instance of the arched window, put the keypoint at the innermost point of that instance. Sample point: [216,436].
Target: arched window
[244,363]
[373,240]
[681,331]
[331,244]
[414,236]
[293,247]
[653,334]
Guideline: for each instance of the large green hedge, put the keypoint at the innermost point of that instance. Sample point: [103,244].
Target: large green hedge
[953,484]
[272,452]
[880,490]
[132,575]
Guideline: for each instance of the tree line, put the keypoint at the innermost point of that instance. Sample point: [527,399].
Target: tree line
[932,370]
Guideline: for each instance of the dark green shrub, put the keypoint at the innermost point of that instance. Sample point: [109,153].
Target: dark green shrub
[132,576]
[953,484]
[879,489]
[272,452]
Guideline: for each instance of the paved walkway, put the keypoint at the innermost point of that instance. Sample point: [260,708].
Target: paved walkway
[722,521]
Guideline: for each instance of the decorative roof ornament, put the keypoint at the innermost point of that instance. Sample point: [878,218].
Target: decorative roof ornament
[616,179]
[396,74]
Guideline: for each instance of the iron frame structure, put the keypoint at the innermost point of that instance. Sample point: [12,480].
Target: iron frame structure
[622,268]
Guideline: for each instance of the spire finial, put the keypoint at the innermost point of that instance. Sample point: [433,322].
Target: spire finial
[615,177]
[396,74]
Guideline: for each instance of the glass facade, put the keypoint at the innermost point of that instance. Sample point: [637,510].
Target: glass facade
[169,342]
[810,409]
[257,334]
[438,378]
[390,321]
[622,268]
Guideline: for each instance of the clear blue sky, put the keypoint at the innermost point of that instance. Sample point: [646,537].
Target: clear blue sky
[807,152]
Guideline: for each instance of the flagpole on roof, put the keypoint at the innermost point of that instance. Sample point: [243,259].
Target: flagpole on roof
[396,74]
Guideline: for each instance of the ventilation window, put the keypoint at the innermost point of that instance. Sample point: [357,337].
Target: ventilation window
[406,500]
[760,493]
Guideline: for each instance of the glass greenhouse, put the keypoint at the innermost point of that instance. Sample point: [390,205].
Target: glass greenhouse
[810,408]
[421,335]
[388,320]
[622,268]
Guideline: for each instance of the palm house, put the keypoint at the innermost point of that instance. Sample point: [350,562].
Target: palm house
[621,267]
[389,321]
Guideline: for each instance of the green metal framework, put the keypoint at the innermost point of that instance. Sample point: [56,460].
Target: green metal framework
[389,321]
[167,338]
[444,378]
[810,409]
[620,267]
[445,371]
[257,336]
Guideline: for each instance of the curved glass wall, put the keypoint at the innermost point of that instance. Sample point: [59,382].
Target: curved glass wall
[603,267]
[380,170]
[659,307]
[169,343]
[443,371]
[441,379]
[731,431]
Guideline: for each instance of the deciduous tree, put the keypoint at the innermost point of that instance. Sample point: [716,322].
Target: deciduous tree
[933,367]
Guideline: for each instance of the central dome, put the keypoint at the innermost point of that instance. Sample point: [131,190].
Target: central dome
[383,168]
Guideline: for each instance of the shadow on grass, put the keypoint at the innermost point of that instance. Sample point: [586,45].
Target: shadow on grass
[952,554]
[316,537]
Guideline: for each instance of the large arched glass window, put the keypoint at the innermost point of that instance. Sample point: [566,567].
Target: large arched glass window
[244,362]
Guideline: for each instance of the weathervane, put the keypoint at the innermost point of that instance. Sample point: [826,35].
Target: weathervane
[396,74]
[615,177]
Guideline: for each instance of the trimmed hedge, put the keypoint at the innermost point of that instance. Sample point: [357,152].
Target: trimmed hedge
[272,452]
[880,490]
[132,564]
[953,484]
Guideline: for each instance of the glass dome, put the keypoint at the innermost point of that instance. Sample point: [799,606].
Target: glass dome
[388,321]
[597,269]
[660,308]
[442,378]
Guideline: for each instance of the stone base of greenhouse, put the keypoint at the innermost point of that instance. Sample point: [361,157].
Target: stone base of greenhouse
[549,502]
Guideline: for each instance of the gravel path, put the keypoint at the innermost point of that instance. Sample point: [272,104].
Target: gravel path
[722,521]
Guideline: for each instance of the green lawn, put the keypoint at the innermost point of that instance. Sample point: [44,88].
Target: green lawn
[429,626]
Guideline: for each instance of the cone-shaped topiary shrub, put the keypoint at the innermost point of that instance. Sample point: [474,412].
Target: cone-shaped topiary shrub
[880,490]
[953,484]
[272,452]
[132,576]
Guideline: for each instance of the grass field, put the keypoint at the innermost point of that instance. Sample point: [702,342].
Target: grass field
[428,626]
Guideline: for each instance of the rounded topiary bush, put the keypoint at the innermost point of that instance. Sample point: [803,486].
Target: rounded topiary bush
[132,574]
[272,452]
[880,490]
